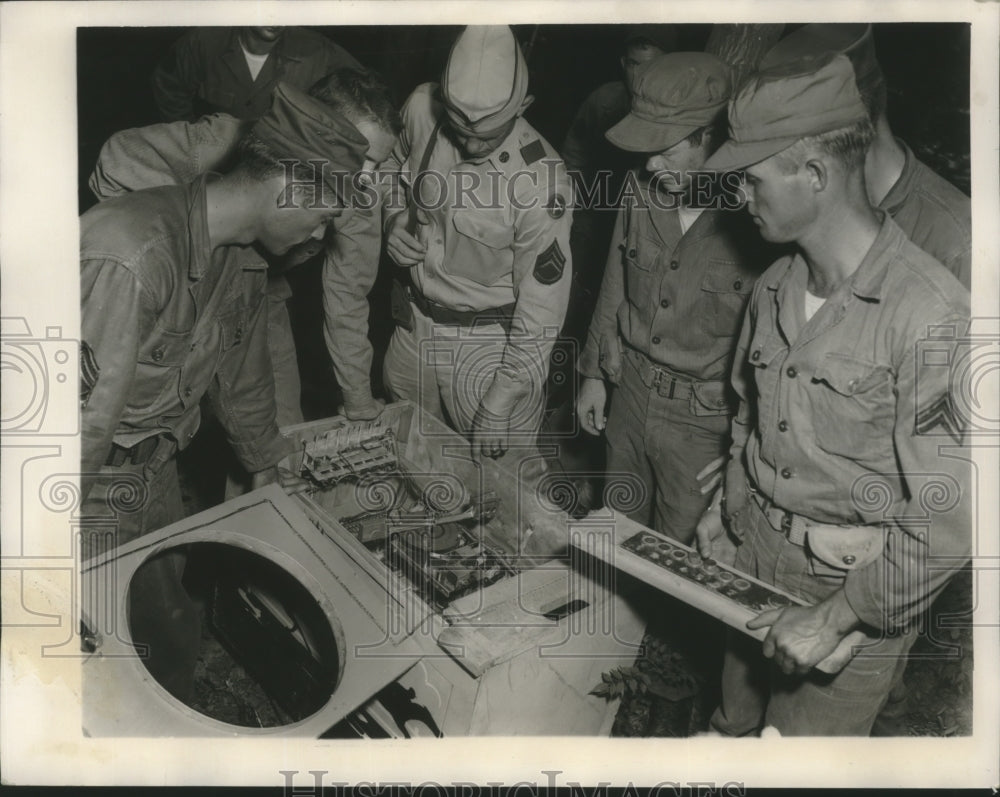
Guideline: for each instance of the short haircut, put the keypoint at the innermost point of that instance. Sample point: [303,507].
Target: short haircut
[360,95]
[847,144]
[716,128]
[256,161]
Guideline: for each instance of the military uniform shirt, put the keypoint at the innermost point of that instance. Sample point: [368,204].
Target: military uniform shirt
[678,299]
[934,214]
[498,231]
[168,319]
[833,404]
[178,152]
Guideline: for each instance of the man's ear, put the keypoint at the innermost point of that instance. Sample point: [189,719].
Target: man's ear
[818,172]
[526,104]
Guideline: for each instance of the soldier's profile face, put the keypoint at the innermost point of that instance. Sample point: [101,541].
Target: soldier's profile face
[636,55]
[672,167]
[779,199]
[380,144]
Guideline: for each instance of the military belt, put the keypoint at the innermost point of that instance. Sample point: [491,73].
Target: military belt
[666,383]
[440,314]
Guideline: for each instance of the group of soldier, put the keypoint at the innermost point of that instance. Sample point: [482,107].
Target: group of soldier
[751,356]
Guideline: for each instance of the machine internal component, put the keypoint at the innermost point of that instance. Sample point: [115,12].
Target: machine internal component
[350,451]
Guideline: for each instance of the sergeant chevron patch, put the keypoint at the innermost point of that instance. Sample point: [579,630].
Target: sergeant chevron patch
[549,264]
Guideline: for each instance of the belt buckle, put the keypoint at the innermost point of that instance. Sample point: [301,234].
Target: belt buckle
[786,523]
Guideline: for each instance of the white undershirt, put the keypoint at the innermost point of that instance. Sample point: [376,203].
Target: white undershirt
[813,303]
[254,62]
[687,217]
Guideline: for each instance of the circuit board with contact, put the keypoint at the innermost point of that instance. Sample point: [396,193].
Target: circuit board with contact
[688,563]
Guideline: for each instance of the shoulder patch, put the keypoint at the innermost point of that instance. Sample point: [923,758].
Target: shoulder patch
[549,264]
[556,206]
[533,151]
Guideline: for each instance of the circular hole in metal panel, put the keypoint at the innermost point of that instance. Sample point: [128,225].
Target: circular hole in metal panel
[233,635]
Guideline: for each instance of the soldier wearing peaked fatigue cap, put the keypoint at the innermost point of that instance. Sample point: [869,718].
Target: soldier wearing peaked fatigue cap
[482,239]
[681,267]
[173,309]
[177,152]
[843,422]
[931,211]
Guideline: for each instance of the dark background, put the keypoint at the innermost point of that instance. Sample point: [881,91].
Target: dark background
[926,67]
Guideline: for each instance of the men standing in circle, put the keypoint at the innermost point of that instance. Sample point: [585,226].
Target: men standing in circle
[681,267]
[172,294]
[932,212]
[835,394]
[234,70]
[483,239]
[177,152]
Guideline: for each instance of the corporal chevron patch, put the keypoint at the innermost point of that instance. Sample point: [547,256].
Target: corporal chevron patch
[941,414]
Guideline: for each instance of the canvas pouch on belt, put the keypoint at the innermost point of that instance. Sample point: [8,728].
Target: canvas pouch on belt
[845,547]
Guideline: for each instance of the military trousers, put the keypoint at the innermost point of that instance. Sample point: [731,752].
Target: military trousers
[446,369]
[658,442]
[756,694]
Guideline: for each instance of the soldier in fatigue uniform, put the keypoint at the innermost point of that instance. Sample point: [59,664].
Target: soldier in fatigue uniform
[835,395]
[932,212]
[483,237]
[678,276]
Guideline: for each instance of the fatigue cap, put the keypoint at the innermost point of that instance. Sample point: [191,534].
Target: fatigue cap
[302,128]
[773,110]
[805,49]
[672,96]
[485,80]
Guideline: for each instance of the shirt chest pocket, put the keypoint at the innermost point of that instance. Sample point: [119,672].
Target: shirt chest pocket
[483,248]
[725,290]
[158,369]
[854,407]
[640,256]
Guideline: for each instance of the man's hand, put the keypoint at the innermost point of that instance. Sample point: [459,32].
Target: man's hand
[803,636]
[711,475]
[289,482]
[490,430]
[712,540]
[590,405]
[403,248]
[368,411]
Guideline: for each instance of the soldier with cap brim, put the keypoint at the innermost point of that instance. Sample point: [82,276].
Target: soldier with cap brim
[678,275]
[836,407]
[173,308]
[931,211]
[483,239]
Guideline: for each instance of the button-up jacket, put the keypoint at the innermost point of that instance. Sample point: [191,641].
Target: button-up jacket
[498,231]
[206,72]
[934,214]
[845,419]
[168,319]
[678,299]
[178,152]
